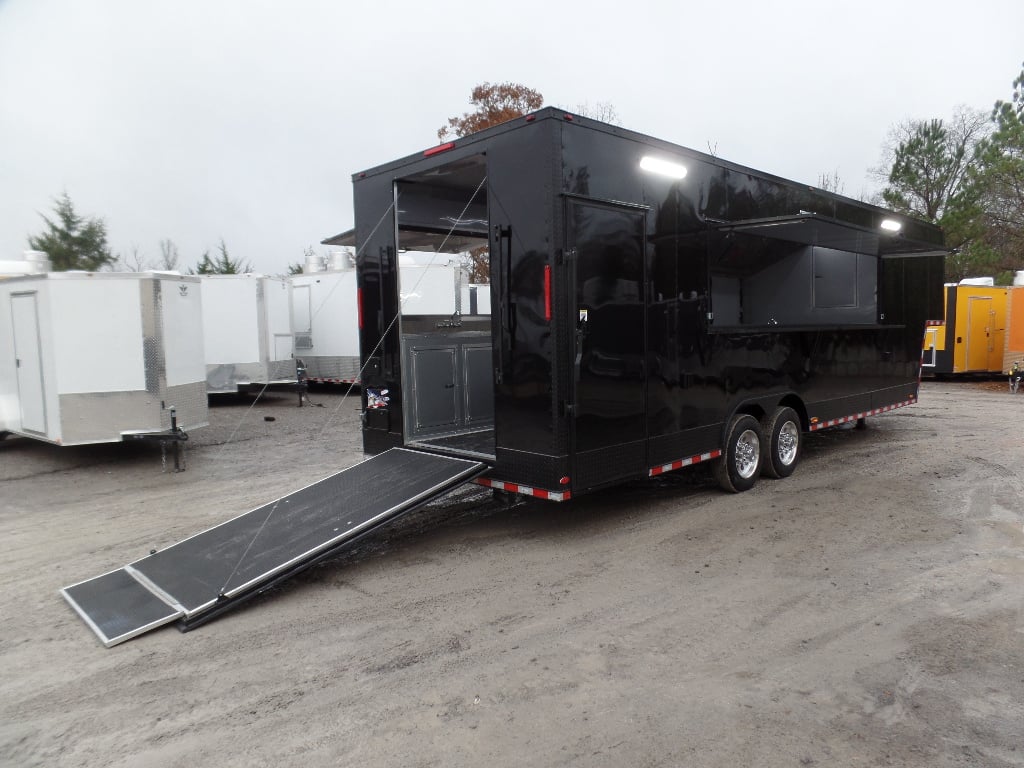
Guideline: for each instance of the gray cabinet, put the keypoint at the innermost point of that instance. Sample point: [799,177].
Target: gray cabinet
[450,387]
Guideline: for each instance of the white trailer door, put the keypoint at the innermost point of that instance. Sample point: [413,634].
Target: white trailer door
[302,317]
[31,394]
[282,347]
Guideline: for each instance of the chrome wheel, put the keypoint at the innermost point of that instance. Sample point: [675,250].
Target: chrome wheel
[748,454]
[782,434]
[789,443]
[739,466]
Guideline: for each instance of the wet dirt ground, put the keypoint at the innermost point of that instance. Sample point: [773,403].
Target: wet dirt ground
[868,611]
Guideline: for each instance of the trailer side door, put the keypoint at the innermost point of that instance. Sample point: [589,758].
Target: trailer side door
[609,409]
[29,363]
[979,333]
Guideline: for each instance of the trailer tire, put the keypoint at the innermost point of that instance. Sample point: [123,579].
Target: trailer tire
[740,464]
[782,433]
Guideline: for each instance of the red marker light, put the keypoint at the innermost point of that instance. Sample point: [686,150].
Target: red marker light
[530,118]
[547,292]
[439,149]
[359,307]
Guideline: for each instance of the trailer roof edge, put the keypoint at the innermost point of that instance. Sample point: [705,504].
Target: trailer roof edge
[571,119]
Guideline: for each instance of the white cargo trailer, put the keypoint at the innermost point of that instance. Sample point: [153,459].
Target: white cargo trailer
[476,299]
[247,332]
[325,308]
[94,357]
[30,263]
[325,321]
[430,283]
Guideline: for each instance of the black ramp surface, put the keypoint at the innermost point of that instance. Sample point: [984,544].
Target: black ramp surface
[117,607]
[239,555]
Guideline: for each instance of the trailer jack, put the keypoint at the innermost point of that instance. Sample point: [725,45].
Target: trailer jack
[176,436]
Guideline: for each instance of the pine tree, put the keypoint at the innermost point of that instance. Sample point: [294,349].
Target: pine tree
[73,241]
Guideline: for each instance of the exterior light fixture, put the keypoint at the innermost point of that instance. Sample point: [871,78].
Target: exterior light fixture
[663,167]
[891,225]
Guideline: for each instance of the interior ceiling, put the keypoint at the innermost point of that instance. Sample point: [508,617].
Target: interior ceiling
[431,241]
[459,174]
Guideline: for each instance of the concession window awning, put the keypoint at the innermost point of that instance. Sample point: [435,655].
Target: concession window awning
[421,240]
[812,229]
[347,238]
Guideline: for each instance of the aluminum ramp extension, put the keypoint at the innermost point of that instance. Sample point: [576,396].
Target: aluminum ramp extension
[201,577]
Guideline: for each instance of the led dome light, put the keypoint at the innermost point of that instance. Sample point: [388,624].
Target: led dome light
[663,167]
[891,225]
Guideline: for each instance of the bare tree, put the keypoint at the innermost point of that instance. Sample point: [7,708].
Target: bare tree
[133,261]
[602,110]
[831,182]
[168,255]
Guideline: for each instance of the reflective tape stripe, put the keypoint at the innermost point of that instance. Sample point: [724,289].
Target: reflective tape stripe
[525,490]
[683,463]
[856,416]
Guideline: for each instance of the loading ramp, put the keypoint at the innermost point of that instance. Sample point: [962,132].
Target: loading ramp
[205,575]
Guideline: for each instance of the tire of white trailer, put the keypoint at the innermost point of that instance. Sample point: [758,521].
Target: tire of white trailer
[740,464]
[783,442]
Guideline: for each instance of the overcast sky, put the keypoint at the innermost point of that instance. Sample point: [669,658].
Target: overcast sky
[197,120]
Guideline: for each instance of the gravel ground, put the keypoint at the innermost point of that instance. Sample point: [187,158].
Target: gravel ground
[867,611]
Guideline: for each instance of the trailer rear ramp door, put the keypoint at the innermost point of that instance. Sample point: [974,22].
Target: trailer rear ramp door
[201,577]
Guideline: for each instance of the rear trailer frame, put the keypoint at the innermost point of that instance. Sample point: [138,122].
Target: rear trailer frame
[642,296]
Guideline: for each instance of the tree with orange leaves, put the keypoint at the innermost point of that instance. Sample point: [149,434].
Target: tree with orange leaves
[495,103]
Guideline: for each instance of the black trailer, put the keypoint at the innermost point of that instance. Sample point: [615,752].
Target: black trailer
[652,307]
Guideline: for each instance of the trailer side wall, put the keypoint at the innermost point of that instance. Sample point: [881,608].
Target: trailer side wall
[634,314]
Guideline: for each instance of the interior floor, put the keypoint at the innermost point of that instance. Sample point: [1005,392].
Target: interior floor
[478,444]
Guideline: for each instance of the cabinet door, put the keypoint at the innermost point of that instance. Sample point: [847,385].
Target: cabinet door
[478,378]
[435,402]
